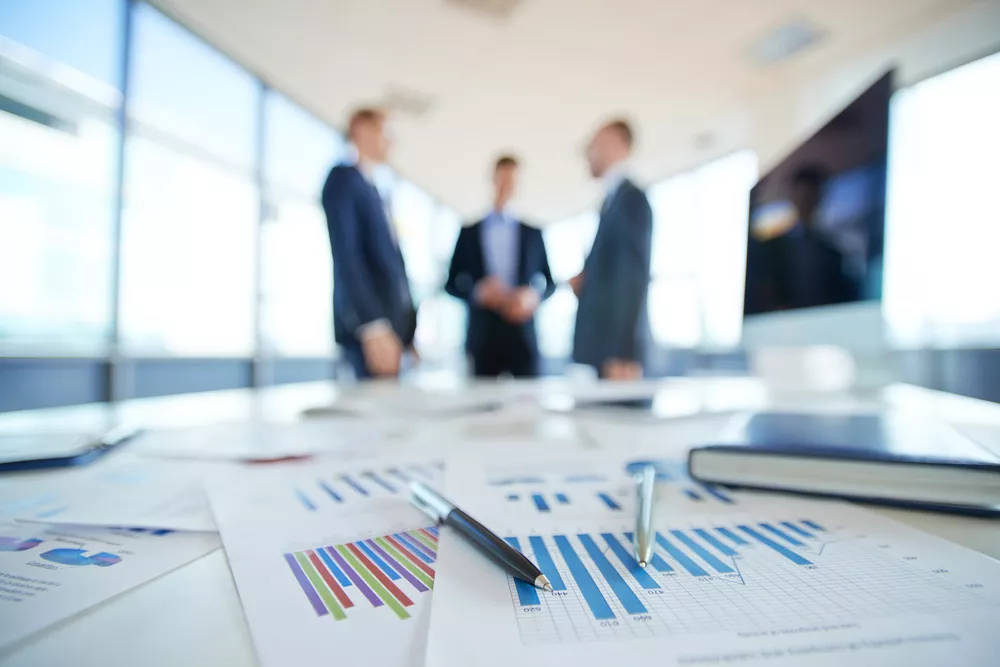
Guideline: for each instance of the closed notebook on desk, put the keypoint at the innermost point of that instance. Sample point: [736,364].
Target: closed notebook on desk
[891,459]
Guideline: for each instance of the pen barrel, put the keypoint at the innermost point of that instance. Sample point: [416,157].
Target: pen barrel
[509,558]
[644,515]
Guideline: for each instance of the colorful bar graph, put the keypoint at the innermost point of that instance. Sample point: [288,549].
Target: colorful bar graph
[814,525]
[355,578]
[657,562]
[640,575]
[304,499]
[785,536]
[562,498]
[422,552]
[544,561]
[526,593]
[418,561]
[330,492]
[317,584]
[715,542]
[681,557]
[426,540]
[354,485]
[381,564]
[591,593]
[377,581]
[335,588]
[725,532]
[540,503]
[332,567]
[373,476]
[692,494]
[433,530]
[609,501]
[410,572]
[621,589]
[306,586]
[795,529]
[717,494]
[702,553]
[780,548]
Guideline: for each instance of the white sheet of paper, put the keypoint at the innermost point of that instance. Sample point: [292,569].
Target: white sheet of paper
[760,580]
[49,573]
[330,562]
[133,494]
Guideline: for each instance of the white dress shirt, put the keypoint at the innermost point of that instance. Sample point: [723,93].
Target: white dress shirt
[500,240]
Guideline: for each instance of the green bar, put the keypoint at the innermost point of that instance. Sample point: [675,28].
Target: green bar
[320,586]
[405,562]
[372,582]
[423,538]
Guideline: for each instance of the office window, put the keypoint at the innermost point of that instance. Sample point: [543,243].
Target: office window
[943,214]
[413,216]
[567,243]
[59,92]
[182,87]
[188,235]
[699,253]
[299,149]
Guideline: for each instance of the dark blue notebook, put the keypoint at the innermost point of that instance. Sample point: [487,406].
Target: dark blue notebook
[893,458]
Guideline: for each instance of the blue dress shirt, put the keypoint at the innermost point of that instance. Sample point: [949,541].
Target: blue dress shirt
[500,239]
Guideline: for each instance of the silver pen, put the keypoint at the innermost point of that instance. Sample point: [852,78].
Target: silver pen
[643,545]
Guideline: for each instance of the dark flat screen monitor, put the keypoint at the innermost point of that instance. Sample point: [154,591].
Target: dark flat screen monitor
[817,220]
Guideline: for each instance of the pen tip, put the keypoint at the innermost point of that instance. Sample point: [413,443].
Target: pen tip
[541,581]
[642,563]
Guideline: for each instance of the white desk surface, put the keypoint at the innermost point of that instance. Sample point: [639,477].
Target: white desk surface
[192,616]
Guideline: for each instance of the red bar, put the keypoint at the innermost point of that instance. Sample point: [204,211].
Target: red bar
[429,534]
[380,575]
[413,559]
[330,581]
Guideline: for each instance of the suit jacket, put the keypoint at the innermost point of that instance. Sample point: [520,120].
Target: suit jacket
[468,267]
[369,276]
[611,317]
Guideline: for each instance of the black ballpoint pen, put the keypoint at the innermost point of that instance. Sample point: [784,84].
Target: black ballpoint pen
[512,560]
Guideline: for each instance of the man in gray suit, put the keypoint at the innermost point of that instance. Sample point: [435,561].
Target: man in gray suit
[611,322]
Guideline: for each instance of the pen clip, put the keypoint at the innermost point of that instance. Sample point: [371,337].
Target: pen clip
[425,507]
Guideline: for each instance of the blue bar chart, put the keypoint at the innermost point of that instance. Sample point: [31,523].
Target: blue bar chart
[344,488]
[599,588]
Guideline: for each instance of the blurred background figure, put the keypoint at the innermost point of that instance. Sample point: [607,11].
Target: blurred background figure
[374,316]
[501,270]
[611,322]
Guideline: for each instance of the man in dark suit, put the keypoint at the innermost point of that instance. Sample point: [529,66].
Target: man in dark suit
[373,314]
[500,269]
[611,322]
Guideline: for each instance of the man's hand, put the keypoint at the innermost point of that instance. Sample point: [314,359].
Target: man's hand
[382,351]
[492,293]
[621,370]
[576,283]
[521,305]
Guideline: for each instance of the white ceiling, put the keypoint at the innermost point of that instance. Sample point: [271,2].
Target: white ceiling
[537,82]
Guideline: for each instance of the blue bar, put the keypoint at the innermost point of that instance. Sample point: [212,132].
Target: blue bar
[561,497]
[718,544]
[609,501]
[780,548]
[814,525]
[591,593]
[330,492]
[692,494]
[657,562]
[795,529]
[378,480]
[629,562]
[162,531]
[305,501]
[545,564]
[513,496]
[330,565]
[731,535]
[354,485]
[785,536]
[540,502]
[702,552]
[719,495]
[526,593]
[398,473]
[624,594]
[381,564]
[434,530]
[682,558]
[410,543]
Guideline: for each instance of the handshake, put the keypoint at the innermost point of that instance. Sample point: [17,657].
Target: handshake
[516,305]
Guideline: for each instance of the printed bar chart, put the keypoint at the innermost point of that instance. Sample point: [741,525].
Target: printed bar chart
[383,571]
[611,503]
[346,488]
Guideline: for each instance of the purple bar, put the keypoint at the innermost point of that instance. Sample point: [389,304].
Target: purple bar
[399,568]
[433,529]
[307,587]
[416,547]
[349,571]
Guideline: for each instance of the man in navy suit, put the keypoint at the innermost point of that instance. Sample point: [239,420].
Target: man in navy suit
[500,269]
[373,315]
[611,322]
